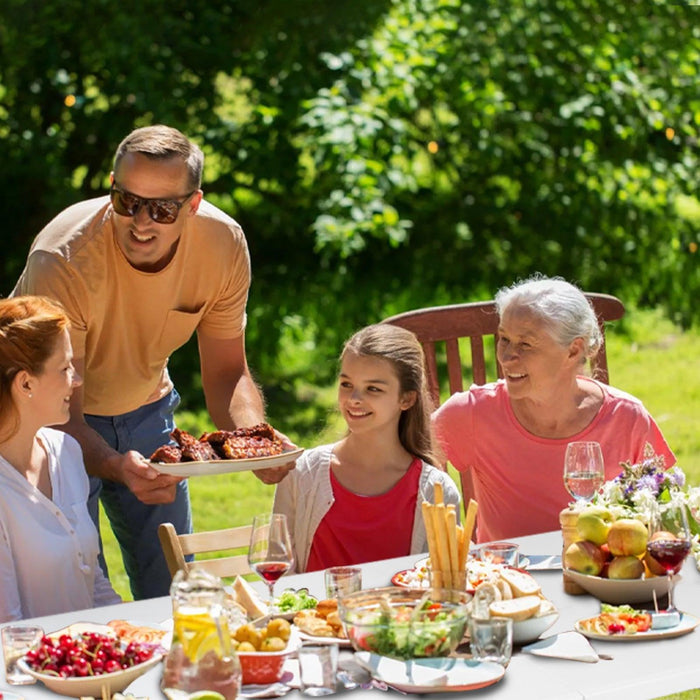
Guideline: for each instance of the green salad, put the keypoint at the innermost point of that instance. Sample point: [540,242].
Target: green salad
[293,601]
[406,633]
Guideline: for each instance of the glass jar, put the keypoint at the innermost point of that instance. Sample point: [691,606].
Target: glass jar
[201,656]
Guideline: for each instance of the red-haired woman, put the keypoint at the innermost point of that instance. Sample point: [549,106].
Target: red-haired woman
[48,543]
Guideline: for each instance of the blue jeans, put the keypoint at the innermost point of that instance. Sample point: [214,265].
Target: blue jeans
[135,524]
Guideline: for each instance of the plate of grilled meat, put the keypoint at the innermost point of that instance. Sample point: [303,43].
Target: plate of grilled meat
[223,452]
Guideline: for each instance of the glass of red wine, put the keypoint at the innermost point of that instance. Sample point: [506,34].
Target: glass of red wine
[669,539]
[584,471]
[270,553]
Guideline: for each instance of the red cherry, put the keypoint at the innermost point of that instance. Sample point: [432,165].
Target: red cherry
[112,666]
[81,667]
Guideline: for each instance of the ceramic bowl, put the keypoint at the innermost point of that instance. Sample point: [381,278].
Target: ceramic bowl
[526,631]
[266,667]
[114,682]
[622,591]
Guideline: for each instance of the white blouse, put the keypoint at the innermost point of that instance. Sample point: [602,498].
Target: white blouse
[48,548]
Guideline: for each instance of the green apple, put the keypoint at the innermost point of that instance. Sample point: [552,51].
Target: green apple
[584,557]
[593,524]
[628,537]
[625,567]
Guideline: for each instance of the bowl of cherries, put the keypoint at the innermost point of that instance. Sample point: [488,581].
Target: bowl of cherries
[82,664]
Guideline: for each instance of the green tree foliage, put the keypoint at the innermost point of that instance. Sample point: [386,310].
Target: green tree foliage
[379,155]
[489,140]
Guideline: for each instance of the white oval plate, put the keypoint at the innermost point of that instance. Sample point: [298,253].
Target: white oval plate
[687,624]
[431,675]
[622,591]
[310,639]
[227,466]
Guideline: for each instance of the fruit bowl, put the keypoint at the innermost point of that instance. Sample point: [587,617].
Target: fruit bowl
[622,591]
[93,686]
[405,623]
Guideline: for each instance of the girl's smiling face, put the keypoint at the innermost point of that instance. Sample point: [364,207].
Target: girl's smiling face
[369,394]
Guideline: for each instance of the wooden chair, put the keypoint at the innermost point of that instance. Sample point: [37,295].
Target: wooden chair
[475,321]
[177,547]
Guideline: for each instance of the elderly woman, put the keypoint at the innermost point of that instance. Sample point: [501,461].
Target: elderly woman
[513,434]
[48,543]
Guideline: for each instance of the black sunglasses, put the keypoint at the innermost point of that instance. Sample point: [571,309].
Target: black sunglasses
[162,211]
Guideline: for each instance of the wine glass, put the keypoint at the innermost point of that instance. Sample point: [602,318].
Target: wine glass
[270,552]
[584,471]
[669,539]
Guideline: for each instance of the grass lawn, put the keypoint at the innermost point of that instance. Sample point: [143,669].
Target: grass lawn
[647,356]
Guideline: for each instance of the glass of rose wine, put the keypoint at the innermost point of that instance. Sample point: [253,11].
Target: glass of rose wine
[270,553]
[669,539]
[584,471]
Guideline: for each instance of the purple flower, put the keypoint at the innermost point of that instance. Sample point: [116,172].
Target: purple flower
[650,482]
[676,477]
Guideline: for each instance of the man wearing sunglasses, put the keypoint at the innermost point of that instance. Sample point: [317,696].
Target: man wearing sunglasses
[138,272]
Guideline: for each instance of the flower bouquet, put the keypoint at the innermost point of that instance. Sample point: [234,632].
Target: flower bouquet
[640,488]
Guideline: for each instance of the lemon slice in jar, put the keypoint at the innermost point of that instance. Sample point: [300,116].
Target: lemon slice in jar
[198,634]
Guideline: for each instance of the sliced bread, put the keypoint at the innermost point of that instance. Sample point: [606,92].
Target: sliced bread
[520,582]
[248,598]
[516,608]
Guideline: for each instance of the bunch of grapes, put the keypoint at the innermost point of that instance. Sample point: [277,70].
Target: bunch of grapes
[88,654]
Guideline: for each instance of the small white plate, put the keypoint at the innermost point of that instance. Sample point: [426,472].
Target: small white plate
[687,624]
[622,591]
[431,675]
[542,562]
[227,466]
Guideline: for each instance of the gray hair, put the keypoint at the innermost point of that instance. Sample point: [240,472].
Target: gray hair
[160,142]
[562,307]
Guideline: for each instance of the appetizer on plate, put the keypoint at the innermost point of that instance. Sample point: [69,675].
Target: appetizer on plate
[624,623]
[322,621]
[292,601]
[618,619]
[131,632]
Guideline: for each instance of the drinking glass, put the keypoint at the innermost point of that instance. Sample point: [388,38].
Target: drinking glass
[270,552]
[669,539]
[584,471]
[342,581]
[17,640]
[491,639]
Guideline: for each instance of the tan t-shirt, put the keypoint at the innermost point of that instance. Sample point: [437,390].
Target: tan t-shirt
[126,323]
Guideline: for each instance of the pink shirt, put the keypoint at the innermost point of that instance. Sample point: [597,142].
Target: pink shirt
[518,477]
[359,529]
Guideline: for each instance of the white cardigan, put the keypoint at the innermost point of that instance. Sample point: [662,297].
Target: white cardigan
[305,495]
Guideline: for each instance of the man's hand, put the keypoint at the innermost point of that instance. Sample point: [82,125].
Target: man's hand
[146,483]
[274,475]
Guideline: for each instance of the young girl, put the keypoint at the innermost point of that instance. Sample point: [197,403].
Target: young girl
[359,499]
[48,543]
